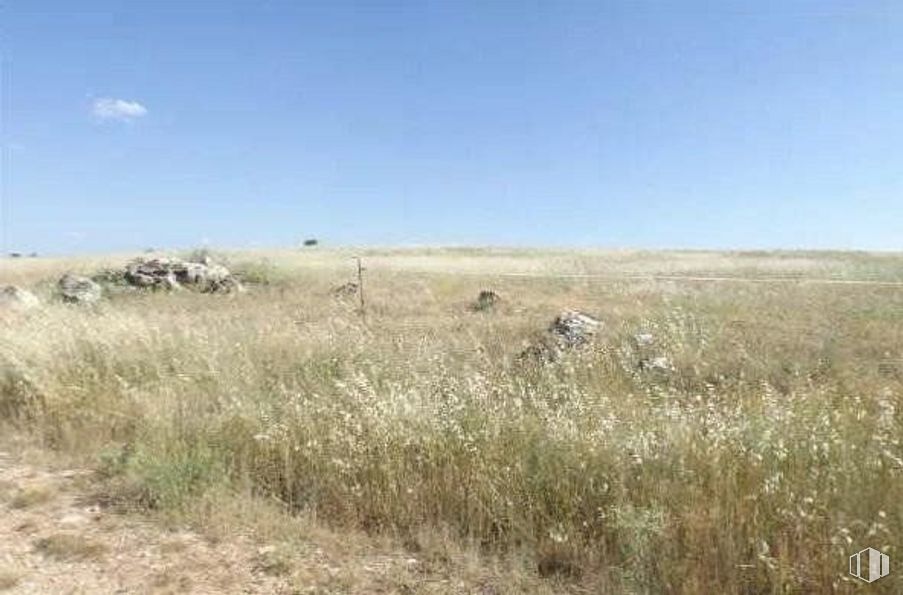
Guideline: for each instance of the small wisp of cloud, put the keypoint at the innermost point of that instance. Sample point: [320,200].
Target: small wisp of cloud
[108,108]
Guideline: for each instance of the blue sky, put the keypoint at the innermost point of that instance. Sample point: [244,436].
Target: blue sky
[615,124]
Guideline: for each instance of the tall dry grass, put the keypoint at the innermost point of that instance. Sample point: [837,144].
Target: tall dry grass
[768,456]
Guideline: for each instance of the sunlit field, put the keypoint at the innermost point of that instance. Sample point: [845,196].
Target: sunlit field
[759,462]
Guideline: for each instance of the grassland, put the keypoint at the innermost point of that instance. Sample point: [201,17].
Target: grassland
[769,455]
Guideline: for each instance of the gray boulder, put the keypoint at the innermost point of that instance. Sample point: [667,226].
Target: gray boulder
[151,273]
[191,273]
[648,351]
[572,328]
[659,365]
[643,339]
[569,330]
[16,298]
[78,289]
[211,273]
[173,274]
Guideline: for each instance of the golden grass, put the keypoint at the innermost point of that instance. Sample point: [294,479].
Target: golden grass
[769,456]
[69,547]
[9,579]
[31,496]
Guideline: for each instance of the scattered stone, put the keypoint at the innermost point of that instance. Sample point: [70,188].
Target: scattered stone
[569,330]
[78,289]
[345,291]
[18,298]
[660,364]
[648,356]
[643,339]
[487,300]
[574,328]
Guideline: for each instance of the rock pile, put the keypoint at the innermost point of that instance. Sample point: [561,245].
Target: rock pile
[17,298]
[156,273]
[572,329]
[174,274]
[79,290]
[569,330]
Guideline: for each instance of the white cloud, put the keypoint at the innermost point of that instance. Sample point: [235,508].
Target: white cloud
[107,108]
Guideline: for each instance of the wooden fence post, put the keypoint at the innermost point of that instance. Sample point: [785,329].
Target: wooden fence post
[360,282]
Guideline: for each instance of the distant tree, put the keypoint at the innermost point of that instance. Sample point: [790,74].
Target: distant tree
[311,242]
[33,255]
[15,255]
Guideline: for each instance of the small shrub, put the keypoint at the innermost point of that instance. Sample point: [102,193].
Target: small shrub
[259,272]
[557,560]
[110,276]
[169,480]
[486,301]
[203,255]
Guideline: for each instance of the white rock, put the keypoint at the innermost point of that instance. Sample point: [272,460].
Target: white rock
[658,364]
[17,298]
[574,328]
[77,289]
[643,339]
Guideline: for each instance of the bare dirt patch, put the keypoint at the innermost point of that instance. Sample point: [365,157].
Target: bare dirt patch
[54,540]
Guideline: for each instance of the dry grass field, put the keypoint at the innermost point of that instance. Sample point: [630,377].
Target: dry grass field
[768,455]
